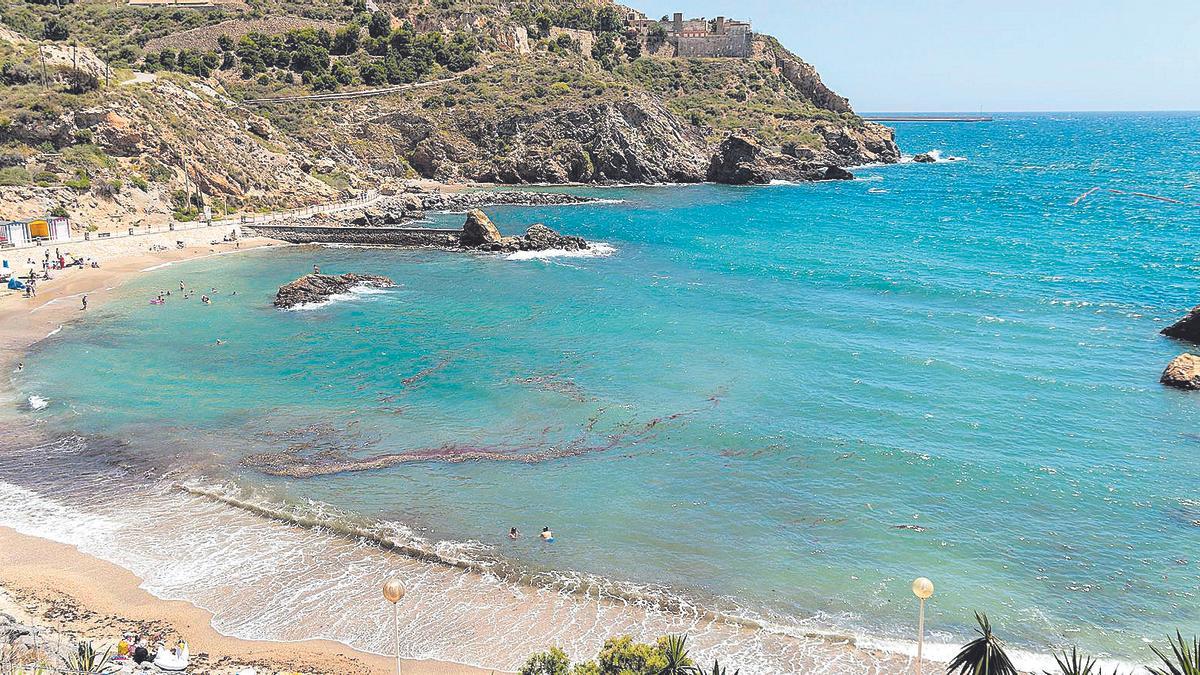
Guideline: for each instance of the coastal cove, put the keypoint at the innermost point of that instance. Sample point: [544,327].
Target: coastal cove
[753,414]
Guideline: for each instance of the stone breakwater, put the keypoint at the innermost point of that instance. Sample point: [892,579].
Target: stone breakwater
[479,233]
[327,232]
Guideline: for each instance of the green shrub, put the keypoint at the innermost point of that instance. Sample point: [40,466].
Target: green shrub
[80,182]
[139,182]
[58,212]
[15,175]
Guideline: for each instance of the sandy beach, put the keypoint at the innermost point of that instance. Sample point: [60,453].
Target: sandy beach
[70,594]
[54,586]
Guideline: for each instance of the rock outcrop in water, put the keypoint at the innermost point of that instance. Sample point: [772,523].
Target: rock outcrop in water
[313,288]
[1183,373]
[479,230]
[924,158]
[1187,328]
[742,161]
[480,233]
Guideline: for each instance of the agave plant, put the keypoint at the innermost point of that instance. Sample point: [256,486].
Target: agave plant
[1075,664]
[1184,658]
[87,660]
[716,670]
[984,655]
[674,650]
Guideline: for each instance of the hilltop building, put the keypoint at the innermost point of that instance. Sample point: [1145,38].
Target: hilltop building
[704,38]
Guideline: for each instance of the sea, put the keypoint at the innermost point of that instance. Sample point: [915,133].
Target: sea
[752,415]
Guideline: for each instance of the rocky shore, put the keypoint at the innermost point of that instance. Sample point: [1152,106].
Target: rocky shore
[314,288]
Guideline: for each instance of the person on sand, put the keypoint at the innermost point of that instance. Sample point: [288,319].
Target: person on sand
[547,535]
[141,651]
[513,533]
[84,301]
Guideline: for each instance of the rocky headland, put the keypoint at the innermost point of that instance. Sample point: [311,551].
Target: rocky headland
[314,288]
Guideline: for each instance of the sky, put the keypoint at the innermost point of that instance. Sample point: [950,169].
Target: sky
[976,55]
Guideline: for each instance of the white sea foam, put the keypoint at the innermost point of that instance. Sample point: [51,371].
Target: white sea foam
[54,332]
[353,293]
[936,154]
[595,250]
[37,402]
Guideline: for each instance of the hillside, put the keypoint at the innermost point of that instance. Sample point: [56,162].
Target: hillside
[157,109]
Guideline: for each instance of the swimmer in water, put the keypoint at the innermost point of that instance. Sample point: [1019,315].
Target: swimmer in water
[513,533]
[20,366]
[547,535]
[220,342]
[205,300]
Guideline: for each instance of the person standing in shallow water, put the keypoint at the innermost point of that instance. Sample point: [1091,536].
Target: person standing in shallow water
[84,301]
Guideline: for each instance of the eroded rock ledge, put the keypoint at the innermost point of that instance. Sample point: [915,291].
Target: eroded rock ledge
[313,288]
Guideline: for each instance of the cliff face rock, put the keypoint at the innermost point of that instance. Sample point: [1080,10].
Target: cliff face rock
[741,161]
[802,75]
[1183,372]
[628,141]
[313,288]
[479,230]
[1187,328]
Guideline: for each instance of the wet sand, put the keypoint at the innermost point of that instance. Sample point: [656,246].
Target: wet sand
[73,594]
[57,587]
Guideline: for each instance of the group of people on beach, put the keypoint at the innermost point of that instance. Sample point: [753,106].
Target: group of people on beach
[546,535]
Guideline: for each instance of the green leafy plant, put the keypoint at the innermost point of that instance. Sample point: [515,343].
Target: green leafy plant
[553,662]
[88,660]
[1074,664]
[674,650]
[984,655]
[1184,658]
[716,670]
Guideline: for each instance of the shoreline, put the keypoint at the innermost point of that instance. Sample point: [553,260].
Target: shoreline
[39,576]
[33,564]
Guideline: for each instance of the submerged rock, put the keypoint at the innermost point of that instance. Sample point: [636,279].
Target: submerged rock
[1187,328]
[1183,372]
[318,287]
[479,230]
[924,158]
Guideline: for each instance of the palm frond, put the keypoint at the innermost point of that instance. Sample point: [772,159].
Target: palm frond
[984,655]
[1074,664]
[1184,658]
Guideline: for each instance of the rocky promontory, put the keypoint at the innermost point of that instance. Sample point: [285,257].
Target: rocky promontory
[465,201]
[313,288]
[480,233]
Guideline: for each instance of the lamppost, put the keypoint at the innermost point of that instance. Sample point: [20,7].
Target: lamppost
[923,589]
[393,591]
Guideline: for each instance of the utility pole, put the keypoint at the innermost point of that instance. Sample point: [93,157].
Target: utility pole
[42,55]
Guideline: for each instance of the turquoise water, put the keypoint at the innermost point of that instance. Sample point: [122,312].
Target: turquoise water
[785,401]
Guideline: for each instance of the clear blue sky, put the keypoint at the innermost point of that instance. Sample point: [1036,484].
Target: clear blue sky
[997,55]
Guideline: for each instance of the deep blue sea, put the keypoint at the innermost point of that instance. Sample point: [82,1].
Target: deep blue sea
[778,404]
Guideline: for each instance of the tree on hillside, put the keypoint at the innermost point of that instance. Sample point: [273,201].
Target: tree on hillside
[346,40]
[633,46]
[609,19]
[225,43]
[310,58]
[55,29]
[380,24]
[372,73]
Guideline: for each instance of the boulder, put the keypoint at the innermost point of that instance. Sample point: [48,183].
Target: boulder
[1183,372]
[541,238]
[479,230]
[924,158]
[313,288]
[1187,328]
[837,173]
